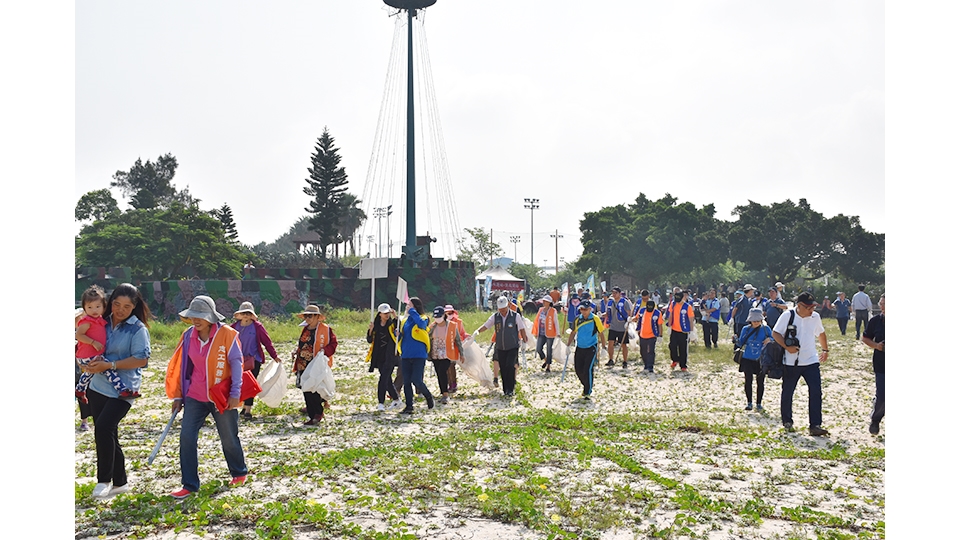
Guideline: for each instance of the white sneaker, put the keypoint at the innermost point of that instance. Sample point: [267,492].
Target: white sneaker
[396,404]
[380,407]
[116,490]
[101,490]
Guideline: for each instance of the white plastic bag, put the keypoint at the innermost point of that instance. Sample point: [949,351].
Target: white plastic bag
[632,331]
[318,377]
[531,339]
[273,382]
[475,365]
[559,348]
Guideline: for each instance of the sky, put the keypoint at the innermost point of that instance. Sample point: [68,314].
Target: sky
[712,102]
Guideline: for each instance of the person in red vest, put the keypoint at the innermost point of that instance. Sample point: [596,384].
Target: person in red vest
[545,328]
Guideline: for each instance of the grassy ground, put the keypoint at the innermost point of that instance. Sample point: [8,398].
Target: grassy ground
[662,457]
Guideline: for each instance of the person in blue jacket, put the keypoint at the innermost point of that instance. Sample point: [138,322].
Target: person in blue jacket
[751,341]
[414,347]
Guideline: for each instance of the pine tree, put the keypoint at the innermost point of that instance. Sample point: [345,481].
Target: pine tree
[326,185]
[225,215]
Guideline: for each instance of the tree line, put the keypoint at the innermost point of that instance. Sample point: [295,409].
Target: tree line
[164,234]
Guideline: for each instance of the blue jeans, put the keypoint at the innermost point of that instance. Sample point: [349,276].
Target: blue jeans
[194,414]
[412,370]
[791,376]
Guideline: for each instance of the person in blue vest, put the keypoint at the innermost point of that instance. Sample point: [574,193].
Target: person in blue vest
[773,306]
[587,329]
[617,314]
[509,330]
[751,341]
[649,330]
[572,309]
[710,308]
[842,306]
[679,317]
[742,307]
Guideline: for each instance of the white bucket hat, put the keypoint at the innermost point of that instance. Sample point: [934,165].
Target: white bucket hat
[246,307]
[202,307]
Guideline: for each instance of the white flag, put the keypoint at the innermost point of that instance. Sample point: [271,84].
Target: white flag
[402,291]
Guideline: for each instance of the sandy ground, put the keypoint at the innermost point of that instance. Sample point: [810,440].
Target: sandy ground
[711,393]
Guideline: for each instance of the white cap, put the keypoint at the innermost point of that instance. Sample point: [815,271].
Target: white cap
[383,308]
[502,302]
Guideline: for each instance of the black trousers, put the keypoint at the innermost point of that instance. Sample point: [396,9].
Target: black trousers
[442,368]
[508,369]
[583,361]
[314,404]
[711,332]
[384,385]
[678,348]
[648,351]
[863,316]
[107,414]
[879,402]
[748,386]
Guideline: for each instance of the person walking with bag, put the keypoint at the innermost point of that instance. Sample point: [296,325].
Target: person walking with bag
[797,331]
[253,339]
[509,330]
[446,348]
[750,343]
[454,318]
[209,352]
[316,339]
[545,327]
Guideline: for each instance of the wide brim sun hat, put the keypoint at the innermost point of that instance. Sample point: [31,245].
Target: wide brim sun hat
[310,310]
[246,307]
[202,307]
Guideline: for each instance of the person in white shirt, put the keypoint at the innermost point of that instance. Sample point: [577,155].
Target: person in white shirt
[862,306]
[800,359]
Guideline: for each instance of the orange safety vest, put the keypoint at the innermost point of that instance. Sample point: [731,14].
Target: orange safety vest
[218,367]
[323,337]
[551,327]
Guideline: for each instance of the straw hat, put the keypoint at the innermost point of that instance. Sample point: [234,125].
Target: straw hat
[311,310]
[246,307]
[202,307]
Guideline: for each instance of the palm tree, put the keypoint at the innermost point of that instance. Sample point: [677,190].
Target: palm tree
[352,218]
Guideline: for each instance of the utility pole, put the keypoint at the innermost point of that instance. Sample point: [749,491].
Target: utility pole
[514,240]
[531,204]
[556,246]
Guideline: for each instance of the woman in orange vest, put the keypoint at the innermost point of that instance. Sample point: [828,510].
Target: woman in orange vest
[545,328]
[455,319]
[446,347]
[209,352]
[316,339]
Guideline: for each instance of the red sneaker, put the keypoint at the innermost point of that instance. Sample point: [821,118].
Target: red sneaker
[238,480]
[183,493]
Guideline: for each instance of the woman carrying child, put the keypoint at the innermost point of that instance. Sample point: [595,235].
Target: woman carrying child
[253,338]
[91,338]
[126,352]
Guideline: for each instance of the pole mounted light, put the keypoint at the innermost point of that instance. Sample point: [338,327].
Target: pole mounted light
[514,240]
[531,204]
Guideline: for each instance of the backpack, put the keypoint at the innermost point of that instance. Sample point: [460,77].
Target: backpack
[771,356]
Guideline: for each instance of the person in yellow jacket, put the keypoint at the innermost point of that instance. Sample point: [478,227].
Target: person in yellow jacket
[545,328]
[209,352]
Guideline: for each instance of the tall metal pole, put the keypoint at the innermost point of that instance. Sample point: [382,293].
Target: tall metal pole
[532,204]
[411,243]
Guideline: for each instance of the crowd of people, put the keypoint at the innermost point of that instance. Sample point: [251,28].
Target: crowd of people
[205,375]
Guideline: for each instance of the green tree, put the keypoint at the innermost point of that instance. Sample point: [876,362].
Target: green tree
[225,216]
[863,254]
[478,247]
[95,205]
[786,239]
[651,239]
[160,243]
[350,220]
[326,186]
[149,184]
